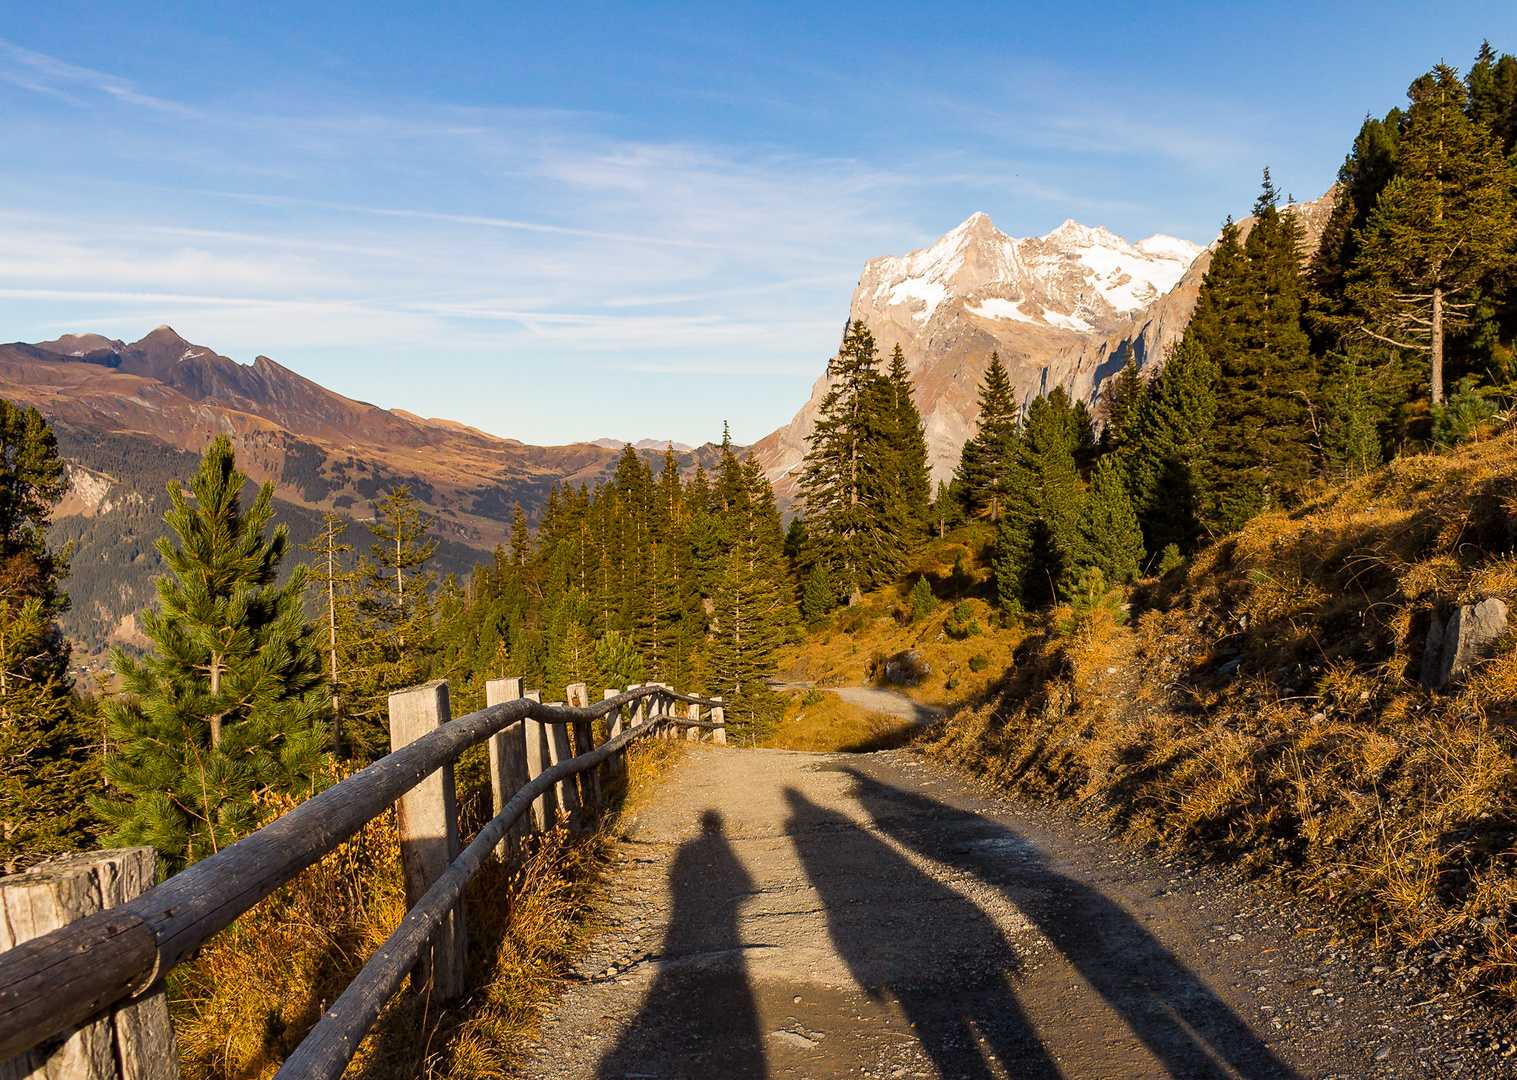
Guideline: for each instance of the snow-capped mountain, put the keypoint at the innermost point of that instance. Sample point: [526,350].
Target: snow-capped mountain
[1061,309]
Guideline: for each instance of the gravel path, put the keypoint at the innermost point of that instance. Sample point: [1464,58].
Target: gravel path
[889,702]
[819,916]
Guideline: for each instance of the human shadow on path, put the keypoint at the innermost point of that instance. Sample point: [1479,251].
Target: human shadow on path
[910,937]
[699,1019]
[1184,1024]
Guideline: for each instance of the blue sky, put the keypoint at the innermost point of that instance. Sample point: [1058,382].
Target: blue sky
[567,221]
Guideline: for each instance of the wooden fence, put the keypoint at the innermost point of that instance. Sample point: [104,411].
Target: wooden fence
[78,985]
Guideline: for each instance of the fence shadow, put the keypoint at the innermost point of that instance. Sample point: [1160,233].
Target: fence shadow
[699,1018]
[1190,1030]
[908,936]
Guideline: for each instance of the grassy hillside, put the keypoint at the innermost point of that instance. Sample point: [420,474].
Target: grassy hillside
[1262,707]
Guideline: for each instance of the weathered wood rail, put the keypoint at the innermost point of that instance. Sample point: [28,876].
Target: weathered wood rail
[62,981]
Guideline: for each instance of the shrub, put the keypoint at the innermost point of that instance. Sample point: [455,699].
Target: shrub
[1170,559]
[1461,419]
[922,600]
[962,623]
[979,662]
[813,697]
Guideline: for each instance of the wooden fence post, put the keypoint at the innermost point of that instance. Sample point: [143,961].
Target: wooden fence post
[617,765]
[638,712]
[133,1040]
[693,712]
[508,766]
[427,817]
[584,742]
[539,757]
[560,751]
[718,716]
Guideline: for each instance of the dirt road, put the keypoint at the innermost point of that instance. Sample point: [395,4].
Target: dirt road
[819,916]
[889,702]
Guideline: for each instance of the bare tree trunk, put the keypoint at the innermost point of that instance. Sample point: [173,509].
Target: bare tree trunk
[332,643]
[215,689]
[1437,373]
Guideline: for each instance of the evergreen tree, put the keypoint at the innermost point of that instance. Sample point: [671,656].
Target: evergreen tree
[1350,441]
[752,607]
[1038,539]
[947,508]
[1164,462]
[1248,322]
[983,476]
[231,703]
[818,601]
[921,599]
[521,541]
[855,507]
[1109,539]
[1492,84]
[329,569]
[909,445]
[1441,226]
[46,764]
[1121,400]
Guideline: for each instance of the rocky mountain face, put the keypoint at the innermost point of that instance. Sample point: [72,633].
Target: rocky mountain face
[131,416]
[1062,310]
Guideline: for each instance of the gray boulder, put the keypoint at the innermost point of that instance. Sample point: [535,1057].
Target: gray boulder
[1467,640]
[907,668]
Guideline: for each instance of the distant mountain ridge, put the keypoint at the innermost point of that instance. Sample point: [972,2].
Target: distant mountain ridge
[127,413]
[1062,309]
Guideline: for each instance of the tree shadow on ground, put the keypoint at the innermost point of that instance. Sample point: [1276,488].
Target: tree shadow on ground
[699,1019]
[909,937]
[1182,1022]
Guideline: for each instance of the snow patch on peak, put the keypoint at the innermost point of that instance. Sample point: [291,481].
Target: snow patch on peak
[1160,246]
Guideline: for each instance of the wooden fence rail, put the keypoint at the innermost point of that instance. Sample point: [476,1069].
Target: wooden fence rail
[61,979]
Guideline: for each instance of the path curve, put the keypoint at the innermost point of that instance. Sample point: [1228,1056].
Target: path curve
[826,916]
[890,702]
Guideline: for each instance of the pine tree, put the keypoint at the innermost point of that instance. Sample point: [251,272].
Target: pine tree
[329,569]
[1441,226]
[854,505]
[1109,537]
[921,599]
[521,541]
[1350,441]
[1492,84]
[231,703]
[983,476]
[909,445]
[1164,461]
[752,606]
[818,601]
[1248,322]
[1037,538]
[46,763]
[1121,399]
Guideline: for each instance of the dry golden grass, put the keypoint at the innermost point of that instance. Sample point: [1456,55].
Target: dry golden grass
[832,724]
[850,647]
[1321,761]
[258,987]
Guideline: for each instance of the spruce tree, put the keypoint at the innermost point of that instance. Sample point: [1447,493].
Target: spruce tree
[983,476]
[909,445]
[1248,322]
[47,766]
[1109,538]
[1037,539]
[1492,84]
[1121,399]
[1164,462]
[753,604]
[818,601]
[854,502]
[1350,441]
[1443,225]
[231,703]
